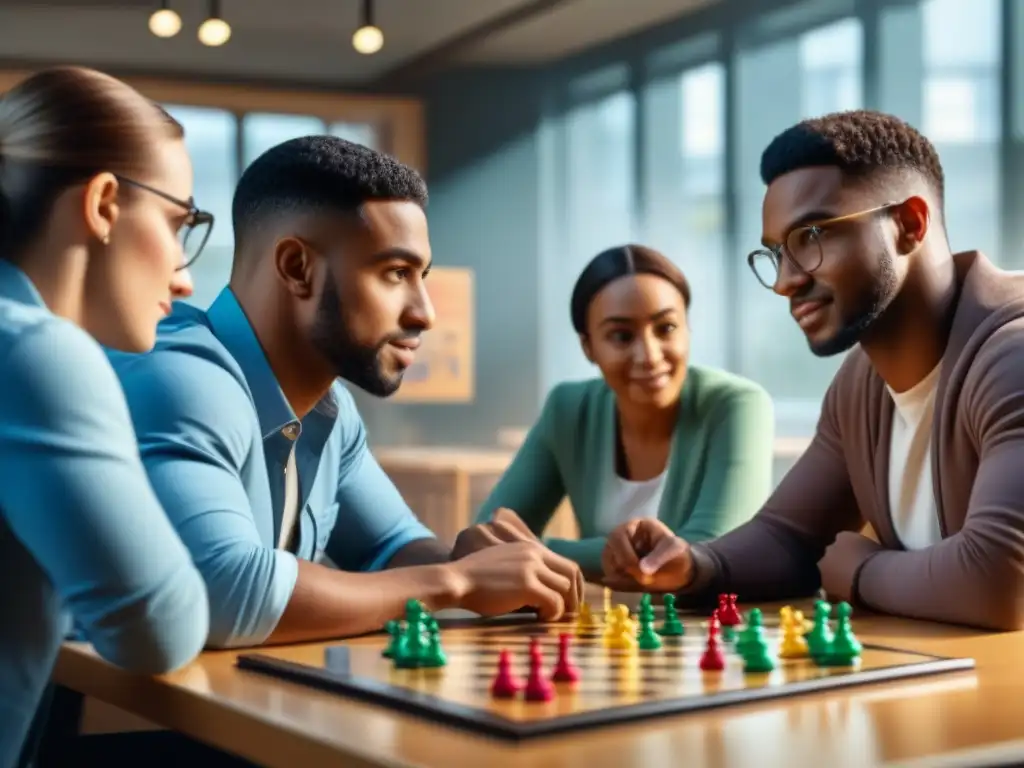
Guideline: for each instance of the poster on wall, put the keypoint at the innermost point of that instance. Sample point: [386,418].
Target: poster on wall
[443,371]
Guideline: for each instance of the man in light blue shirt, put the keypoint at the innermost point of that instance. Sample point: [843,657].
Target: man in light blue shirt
[257,451]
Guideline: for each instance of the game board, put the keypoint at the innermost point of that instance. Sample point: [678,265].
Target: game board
[614,685]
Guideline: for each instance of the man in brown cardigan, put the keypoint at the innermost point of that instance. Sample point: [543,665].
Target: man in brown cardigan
[921,433]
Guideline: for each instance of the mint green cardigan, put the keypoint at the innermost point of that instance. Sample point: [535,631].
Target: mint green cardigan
[720,469]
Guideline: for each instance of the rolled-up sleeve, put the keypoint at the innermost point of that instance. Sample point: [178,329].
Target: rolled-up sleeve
[75,494]
[374,522]
[196,429]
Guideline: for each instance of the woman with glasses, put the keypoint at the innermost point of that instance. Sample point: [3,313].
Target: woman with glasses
[653,436]
[95,201]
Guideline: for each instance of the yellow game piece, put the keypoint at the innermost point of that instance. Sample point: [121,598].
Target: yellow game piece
[620,629]
[793,645]
[586,618]
[607,601]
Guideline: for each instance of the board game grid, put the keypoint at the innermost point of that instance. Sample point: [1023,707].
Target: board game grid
[617,686]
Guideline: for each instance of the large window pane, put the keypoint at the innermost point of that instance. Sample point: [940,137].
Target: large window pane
[210,135]
[358,133]
[262,131]
[821,72]
[684,172]
[940,71]
[599,197]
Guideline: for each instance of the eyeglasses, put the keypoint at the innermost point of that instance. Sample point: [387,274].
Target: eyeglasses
[196,229]
[802,247]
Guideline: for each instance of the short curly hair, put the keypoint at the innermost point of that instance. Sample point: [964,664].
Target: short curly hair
[315,173]
[861,143]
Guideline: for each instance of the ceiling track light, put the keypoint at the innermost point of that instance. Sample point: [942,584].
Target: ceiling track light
[368,39]
[164,22]
[214,31]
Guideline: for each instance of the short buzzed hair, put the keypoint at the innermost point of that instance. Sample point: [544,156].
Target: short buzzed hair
[861,143]
[319,173]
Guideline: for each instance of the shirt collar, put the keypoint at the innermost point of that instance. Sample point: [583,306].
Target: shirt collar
[232,328]
[16,285]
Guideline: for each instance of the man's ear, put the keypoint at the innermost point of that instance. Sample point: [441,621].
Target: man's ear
[913,219]
[294,265]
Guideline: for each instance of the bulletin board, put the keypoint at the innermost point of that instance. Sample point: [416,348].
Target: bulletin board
[443,371]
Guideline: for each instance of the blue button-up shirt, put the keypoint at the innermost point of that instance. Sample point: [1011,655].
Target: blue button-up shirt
[216,431]
[82,534]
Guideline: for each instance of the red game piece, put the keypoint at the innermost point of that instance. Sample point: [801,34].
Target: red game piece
[538,688]
[728,613]
[505,685]
[535,651]
[713,659]
[565,671]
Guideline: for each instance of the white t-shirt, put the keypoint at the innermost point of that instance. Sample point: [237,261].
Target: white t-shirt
[629,500]
[911,491]
[291,503]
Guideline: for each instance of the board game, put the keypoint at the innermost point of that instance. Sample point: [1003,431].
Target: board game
[519,678]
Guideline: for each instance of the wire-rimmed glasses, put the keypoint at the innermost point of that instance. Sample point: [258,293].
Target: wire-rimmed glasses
[802,247]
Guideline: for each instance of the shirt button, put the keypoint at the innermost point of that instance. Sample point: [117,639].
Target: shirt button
[291,431]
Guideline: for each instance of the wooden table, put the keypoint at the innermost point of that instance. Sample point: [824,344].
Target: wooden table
[968,718]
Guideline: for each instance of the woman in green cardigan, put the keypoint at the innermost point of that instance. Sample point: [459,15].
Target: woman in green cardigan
[653,436]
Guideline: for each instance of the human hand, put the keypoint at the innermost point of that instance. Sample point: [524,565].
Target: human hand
[646,553]
[507,577]
[504,527]
[841,563]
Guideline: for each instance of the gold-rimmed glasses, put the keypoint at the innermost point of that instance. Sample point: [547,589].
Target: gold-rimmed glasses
[802,246]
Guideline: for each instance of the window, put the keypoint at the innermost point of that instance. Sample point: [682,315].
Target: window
[359,133]
[779,84]
[941,62]
[599,194]
[684,196]
[260,132]
[210,135]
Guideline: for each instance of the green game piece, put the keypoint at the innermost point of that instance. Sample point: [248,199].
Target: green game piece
[758,659]
[434,655]
[752,635]
[845,648]
[753,646]
[819,639]
[729,634]
[413,644]
[645,611]
[672,626]
[648,639]
[394,630]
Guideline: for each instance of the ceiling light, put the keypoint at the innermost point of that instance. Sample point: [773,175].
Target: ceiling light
[368,39]
[165,22]
[214,31]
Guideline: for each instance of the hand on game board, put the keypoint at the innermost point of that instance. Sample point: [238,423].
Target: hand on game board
[507,577]
[504,527]
[648,554]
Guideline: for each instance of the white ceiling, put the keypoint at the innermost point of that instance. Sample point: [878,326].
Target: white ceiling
[308,40]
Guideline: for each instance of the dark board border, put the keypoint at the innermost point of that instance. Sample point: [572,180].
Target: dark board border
[480,721]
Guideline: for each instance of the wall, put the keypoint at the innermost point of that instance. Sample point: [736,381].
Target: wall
[485,213]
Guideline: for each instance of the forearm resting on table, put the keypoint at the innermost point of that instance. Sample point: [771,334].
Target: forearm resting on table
[327,603]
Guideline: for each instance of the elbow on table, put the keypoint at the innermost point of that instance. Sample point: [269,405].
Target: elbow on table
[997,602]
[169,631]
[250,588]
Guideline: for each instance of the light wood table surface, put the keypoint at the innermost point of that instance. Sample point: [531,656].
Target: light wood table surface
[964,718]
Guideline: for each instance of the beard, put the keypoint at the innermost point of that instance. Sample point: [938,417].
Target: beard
[885,289]
[351,360]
